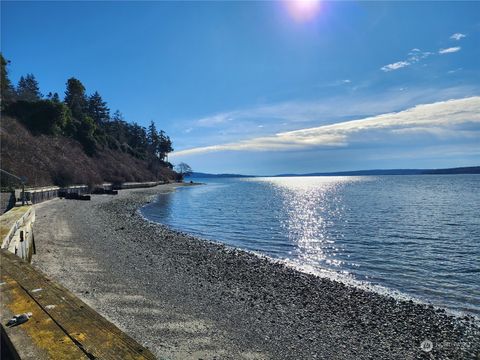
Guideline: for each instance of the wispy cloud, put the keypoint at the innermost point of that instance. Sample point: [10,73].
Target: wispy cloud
[457,36]
[326,110]
[395,66]
[449,50]
[455,70]
[215,119]
[415,55]
[239,124]
[437,119]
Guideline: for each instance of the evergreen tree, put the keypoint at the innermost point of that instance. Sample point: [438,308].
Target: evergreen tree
[153,140]
[97,109]
[138,138]
[42,117]
[75,98]
[87,119]
[117,127]
[7,90]
[165,145]
[117,116]
[53,97]
[28,89]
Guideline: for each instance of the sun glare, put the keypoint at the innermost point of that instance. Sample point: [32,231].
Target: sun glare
[303,10]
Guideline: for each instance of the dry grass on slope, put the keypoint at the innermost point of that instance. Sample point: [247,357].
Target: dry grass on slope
[47,160]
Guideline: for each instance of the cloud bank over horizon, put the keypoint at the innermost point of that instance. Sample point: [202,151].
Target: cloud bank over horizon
[442,120]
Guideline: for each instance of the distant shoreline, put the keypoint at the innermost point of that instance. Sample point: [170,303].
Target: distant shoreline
[446,171]
[186,298]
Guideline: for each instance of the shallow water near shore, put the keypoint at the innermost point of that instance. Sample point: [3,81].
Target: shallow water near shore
[417,235]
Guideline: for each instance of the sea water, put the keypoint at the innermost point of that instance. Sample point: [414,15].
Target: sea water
[414,235]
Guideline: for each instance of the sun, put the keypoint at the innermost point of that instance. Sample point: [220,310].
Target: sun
[303,10]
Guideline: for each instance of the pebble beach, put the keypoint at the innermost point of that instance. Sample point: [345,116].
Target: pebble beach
[188,298]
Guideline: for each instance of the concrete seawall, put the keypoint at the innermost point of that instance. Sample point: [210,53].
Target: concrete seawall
[7,201]
[16,229]
[38,195]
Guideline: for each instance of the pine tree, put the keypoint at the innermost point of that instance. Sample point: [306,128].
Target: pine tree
[117,127]
[153,140]
[165,145]
[56,98]
[53,97]
[28,89]
[97,109]
[117,116]
[75,98]
[138,137]
[7,90]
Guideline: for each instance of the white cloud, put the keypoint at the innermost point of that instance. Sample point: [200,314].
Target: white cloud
[437,119]
[215,119]
[414,56]
[457,36]
[395,66]
[449,50]
[455,70]
[238,124]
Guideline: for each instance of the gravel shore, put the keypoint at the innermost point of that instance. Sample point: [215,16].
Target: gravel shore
[186,298]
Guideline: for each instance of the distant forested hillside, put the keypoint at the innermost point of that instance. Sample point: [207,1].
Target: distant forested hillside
[75,139]
[206,175]
[459,170]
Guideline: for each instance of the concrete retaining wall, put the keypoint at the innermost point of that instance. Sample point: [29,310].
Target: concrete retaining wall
[17,231]
[38,195]
[130,185]
[7,201]
[134,185]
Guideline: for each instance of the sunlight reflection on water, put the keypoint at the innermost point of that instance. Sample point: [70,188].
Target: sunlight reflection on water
[313,206]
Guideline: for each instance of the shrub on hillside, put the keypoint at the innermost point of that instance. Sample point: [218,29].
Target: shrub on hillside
[86,130]
[42,117]
[62,177]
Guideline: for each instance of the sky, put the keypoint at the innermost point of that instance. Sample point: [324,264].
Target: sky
[271,87]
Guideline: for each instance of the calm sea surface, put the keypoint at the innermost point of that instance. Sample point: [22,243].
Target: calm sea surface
[415,235]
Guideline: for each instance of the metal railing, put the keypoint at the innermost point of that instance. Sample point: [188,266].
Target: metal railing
[22,180]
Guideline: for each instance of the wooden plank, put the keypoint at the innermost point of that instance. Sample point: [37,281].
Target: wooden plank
[94,334]
[39,338]
[17,231]
[9,219]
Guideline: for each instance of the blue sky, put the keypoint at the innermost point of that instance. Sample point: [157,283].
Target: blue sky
[232,82]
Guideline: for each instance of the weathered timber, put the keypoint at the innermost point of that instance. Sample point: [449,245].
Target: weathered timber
[16,231]
[69,319]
